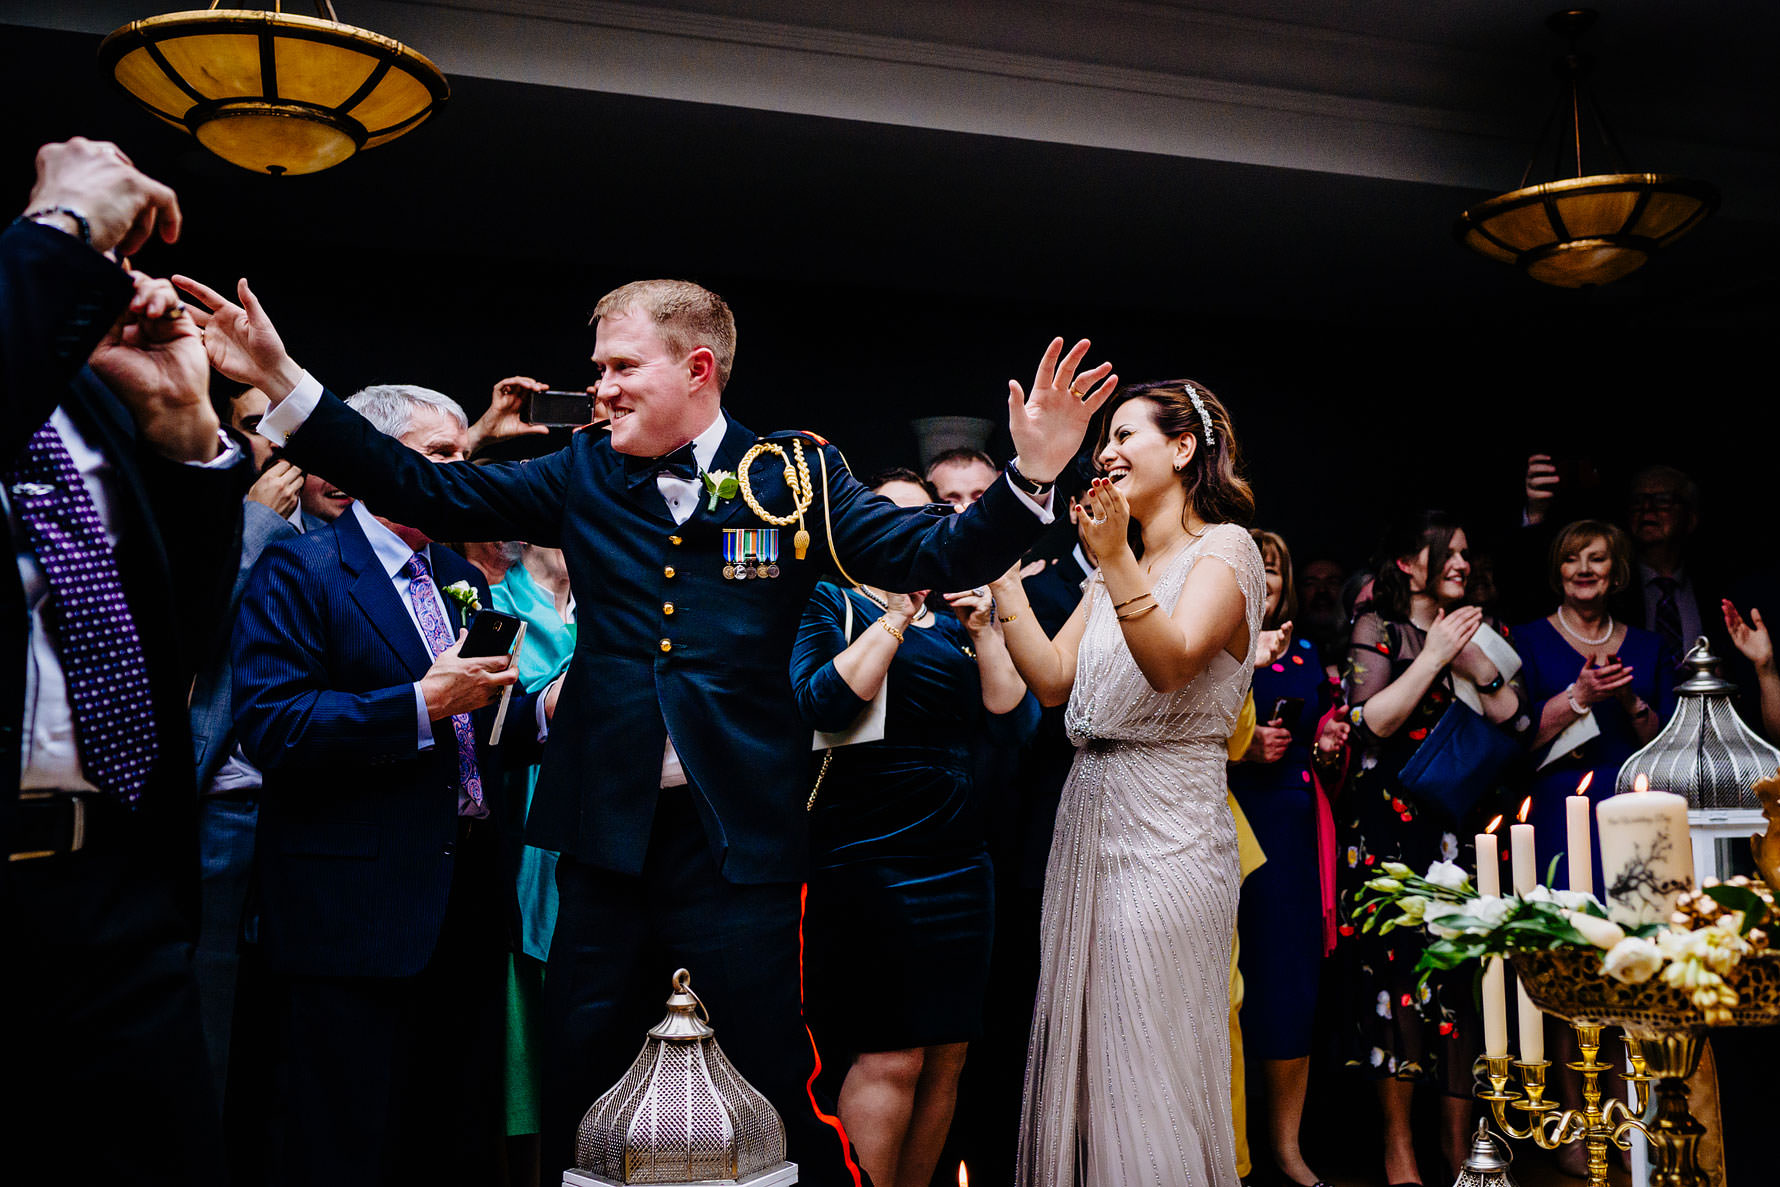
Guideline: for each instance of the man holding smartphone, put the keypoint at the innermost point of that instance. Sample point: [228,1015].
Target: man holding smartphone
[674,786]
[383,904]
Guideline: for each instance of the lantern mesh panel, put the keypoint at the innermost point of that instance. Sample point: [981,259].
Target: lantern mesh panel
[682,1113]
[1706,754]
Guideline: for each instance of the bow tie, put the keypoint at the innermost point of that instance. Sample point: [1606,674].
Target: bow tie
[680,463]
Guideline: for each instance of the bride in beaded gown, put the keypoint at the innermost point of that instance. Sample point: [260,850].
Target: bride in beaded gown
[1128,1071]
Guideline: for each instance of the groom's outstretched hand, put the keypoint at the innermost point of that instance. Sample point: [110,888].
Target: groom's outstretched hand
[1048,425]
[241,340]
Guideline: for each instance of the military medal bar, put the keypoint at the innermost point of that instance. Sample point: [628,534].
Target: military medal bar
[750,553]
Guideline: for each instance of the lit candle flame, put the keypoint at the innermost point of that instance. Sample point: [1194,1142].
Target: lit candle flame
[1526,806]
[1641,782]
[1493,825]
[963,1174]
[1588,777]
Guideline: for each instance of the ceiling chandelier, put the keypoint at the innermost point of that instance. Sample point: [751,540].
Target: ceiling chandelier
[274,92]
[1583,229]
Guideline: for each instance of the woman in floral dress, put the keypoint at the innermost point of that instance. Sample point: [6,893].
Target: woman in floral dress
[1402,660]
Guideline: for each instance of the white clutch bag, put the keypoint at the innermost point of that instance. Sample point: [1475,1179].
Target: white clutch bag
[869,725]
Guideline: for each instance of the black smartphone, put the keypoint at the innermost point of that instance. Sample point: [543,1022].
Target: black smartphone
[1286,711]
[491,633]
[559,409]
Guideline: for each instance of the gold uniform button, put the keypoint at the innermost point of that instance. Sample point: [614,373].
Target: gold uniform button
[667,607]
[667,644]
[668,572]
[674,540]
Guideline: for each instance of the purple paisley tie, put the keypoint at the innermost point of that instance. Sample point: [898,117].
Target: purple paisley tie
[88,615]
[438,638]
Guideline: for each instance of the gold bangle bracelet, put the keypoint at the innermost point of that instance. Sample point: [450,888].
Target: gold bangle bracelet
[1140,597]
[1137,613]
[1007,617]
[894,633]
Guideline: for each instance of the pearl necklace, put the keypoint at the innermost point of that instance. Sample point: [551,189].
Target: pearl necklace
[1606,635]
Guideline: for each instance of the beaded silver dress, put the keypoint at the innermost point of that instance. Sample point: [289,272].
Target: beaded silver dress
[1128,1071]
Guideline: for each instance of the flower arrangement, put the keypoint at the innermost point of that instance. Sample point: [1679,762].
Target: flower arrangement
[1696,952]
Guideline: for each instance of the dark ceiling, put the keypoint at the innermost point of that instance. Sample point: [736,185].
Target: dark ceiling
[881,273]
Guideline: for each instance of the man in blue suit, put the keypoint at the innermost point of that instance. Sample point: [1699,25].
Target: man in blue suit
[675,778]
[383,908]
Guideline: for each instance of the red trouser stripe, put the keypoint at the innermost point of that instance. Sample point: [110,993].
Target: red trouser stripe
[803,904]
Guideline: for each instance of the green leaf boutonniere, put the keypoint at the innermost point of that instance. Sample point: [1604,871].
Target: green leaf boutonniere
[721,486]
[464,595]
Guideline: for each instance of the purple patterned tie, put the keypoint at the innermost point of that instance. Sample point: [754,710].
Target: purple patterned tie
[87,613]
[438,638]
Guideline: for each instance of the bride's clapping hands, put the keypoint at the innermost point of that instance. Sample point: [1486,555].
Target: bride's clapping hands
[1108,519]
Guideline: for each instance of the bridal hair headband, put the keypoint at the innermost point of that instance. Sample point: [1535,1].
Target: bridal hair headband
[1199,407]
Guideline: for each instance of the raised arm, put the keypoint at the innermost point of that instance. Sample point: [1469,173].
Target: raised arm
[833,678]
[1003,690]
[1046,665]
[1170,649]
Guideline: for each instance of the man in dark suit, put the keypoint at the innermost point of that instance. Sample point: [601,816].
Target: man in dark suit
[382,902]
[674,783]
[122,502]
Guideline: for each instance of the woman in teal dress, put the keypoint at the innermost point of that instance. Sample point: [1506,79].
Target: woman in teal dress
[535,587]
[901,901]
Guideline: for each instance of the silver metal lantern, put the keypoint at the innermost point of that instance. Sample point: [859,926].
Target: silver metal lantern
[1705,752]
[682,1114]
[1487,1164]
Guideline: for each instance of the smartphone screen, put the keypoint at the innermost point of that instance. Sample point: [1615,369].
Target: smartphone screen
[1286,711]
[565,409]
[491,633]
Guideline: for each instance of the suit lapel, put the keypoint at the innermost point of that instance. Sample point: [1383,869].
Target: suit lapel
[375,594]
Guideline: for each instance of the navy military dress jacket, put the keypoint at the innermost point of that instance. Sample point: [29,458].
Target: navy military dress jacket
[665,642]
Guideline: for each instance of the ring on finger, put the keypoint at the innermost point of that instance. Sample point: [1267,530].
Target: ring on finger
[1080,395]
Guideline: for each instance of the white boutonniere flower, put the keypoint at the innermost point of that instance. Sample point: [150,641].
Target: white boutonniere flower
[721,485]
[464,595]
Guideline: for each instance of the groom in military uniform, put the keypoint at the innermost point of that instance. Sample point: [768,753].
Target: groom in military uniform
[675,773]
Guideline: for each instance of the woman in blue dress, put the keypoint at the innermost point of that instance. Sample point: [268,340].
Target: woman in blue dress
[1600,688]
[901,904]
[1280,916]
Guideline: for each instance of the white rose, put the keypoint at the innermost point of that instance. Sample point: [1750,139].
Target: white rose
[1489,910]
[1633,960]
[1602,933]
[1434,912]
[1572,900]
[1448,875]
[1540,894]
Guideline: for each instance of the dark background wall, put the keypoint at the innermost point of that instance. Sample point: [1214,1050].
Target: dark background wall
[881,273]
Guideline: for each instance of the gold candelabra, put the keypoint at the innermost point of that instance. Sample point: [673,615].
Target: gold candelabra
[1551,1126]
[1664,1034]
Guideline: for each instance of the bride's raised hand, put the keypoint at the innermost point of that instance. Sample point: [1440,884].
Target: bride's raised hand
[1108,518]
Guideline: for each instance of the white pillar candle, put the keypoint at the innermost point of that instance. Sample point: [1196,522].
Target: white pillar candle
[1579,857]
[1646,853]
[1489,866]
[1532,1027]
[1523,859]
[1525,867]
[1495,999]
[1495,1009]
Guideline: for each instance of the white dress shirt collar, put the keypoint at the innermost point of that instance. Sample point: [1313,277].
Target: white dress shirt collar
[392,551]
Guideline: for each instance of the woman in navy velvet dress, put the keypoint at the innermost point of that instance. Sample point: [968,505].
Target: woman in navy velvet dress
[901,900]
[1584,669]
[1280,917]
